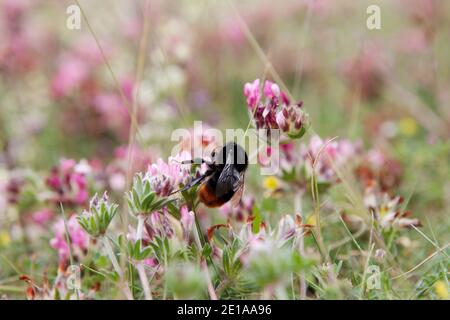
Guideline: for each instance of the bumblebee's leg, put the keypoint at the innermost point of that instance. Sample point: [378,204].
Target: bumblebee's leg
[192,161]
[191,184]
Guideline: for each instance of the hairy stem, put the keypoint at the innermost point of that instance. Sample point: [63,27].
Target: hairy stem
[115,263]
[203,264]
[140,227]
[301,244]
[144,280]
[112,256]
[140,267]
[212,293]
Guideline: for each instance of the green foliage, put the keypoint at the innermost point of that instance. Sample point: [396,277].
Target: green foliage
[97,219]
[136,252]
[271,266]
[161,248]
[230,260]
[142,199]
[185,281]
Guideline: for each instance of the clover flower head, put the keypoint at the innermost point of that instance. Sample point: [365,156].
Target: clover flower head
[165,177]
[69,182]
[387,211]
[291,120]
[322,158]
[275,111]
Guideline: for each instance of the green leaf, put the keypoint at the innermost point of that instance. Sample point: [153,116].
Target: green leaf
[226,261]
[257,221]
[148,201]
[136,249]
[207,250]
[299,134]
[145,253]
[269,204]
[136,200]
[173,210]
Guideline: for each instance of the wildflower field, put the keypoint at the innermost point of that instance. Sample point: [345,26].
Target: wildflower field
[341,110]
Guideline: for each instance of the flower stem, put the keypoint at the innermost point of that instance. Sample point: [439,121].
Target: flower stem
[140,266]
[116,266]
[301,244]
[140,227]
[197,233]
[144,280]
[112,256]
[203,264]
[212,293]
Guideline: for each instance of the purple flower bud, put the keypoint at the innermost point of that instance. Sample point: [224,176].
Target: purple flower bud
[105,197]
[251,91]
[298,123]
[281,121]
[271,89]
[94,201]
[284,98]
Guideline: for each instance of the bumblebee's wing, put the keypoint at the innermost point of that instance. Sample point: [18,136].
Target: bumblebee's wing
[239,191]
[228,180]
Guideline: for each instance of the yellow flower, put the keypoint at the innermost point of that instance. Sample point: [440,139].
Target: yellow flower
[5,240]
[311,220]
[441,289]
[408,126]
[271,183]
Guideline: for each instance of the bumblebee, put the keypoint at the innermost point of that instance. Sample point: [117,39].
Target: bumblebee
[224,178]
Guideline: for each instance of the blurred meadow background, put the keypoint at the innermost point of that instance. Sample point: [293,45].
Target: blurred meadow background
[83,110]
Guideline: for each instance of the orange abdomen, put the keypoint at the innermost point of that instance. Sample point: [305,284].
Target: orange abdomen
[208,197]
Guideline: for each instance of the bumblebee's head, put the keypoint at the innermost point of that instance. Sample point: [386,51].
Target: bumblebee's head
[231,153]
